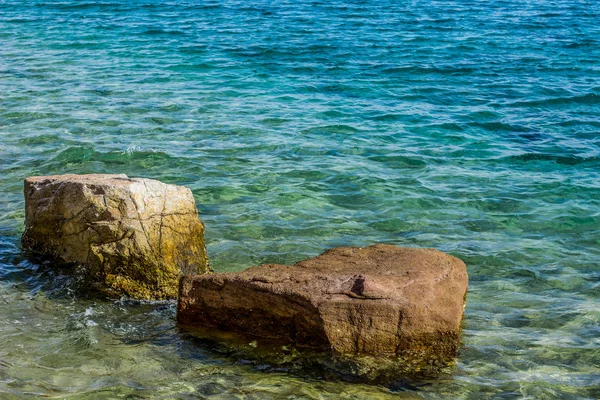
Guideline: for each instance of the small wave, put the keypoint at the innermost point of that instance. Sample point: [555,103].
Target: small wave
[133,149]
[163,32]
[413,69]
[389,117]
[585,43]
[20,20]
[400,162]
[586,99]
[193,49]
[18,117]
[206,6]
[161,120]
[99,92]
[564,160]
[87,157]
[40,139]
[484,114]
[79,6]
[274,121]
[549,15]
[451,126]
[330,129]
[532,136]
[577,122]
[499,126]
[190,67]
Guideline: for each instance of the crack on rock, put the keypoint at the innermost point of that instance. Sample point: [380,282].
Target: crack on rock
[160,229]
[102,241]
[92,227]
[88,226]
[399,331]
[139,218]
[146,186]
[168,215]
[183,233]
[126,235]
[362,297]
[265,280]
[84,209]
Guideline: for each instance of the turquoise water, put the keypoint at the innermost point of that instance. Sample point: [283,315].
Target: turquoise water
[465,125]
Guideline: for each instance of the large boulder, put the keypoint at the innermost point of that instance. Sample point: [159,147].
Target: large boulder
[380,300]
[131,235]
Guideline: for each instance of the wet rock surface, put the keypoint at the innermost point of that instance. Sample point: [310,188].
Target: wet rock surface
[132,236]
[377,301]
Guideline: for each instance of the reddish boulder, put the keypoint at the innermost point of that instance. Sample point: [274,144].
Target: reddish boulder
[380,300]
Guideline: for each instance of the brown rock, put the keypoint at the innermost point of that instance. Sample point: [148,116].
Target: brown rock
[132,235]
[381,300]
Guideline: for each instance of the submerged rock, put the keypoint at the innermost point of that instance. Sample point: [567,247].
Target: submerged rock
[131,235]
[381,301]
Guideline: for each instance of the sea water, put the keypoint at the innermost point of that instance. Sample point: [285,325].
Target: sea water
[470,126]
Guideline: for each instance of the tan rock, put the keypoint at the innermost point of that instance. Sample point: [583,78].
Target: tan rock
[132,235]
[381,300]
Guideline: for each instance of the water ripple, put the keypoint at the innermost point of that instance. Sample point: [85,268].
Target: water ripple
[467,126]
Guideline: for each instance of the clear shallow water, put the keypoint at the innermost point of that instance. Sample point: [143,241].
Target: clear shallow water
[469,126]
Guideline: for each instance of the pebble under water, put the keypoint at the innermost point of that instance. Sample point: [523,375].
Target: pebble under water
[465,125]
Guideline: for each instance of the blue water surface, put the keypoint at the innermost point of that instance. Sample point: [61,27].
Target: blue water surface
[470,126]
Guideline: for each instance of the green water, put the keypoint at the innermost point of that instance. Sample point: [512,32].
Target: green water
[468,126]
